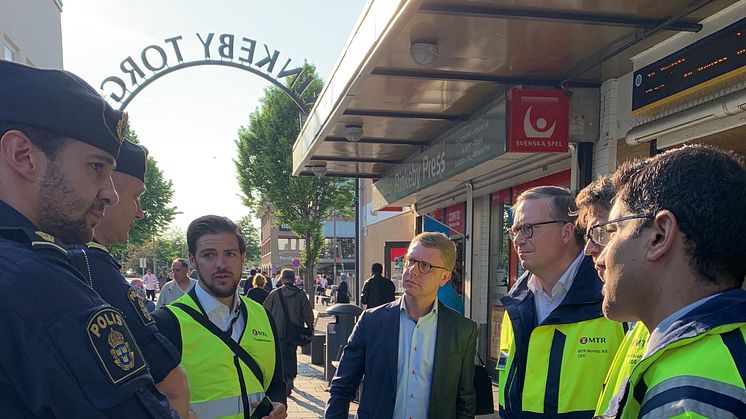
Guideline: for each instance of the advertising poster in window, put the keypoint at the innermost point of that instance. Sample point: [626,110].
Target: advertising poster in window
[396,259]
[496,321]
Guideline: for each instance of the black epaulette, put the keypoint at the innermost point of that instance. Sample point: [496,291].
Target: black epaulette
[39,240]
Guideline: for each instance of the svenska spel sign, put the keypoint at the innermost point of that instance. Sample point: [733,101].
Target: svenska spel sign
[538,121]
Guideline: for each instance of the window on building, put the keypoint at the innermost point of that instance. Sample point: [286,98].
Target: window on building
[301,244]
[284,243]
[9,53]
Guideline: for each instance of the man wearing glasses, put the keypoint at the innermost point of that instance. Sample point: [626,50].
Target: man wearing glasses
[555,344]
[416,354]
[594,204]
[674,259]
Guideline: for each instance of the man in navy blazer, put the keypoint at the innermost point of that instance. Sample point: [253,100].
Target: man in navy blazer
[417,355]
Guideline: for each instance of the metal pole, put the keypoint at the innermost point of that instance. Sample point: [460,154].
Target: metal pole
[334,214]
[358,271]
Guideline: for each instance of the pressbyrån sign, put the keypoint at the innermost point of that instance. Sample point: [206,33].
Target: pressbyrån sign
[538,121]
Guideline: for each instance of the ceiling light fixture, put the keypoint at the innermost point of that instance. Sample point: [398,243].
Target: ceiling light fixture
[353,133]
[423,53]
[319,171]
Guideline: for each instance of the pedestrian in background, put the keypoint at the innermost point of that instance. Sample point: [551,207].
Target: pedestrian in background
[151,284]
[259,291]
[299,312]
[249,282]
[180,285]
[377,289]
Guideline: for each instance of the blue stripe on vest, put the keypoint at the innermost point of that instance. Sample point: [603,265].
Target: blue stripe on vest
[737,347]
[701,395]
[551,391]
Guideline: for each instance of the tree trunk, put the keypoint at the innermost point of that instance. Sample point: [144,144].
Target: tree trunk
[310,280]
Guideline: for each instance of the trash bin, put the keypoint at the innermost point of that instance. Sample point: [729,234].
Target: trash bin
[337,333]
[317,349]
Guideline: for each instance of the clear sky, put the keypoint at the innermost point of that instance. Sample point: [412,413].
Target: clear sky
[189,119]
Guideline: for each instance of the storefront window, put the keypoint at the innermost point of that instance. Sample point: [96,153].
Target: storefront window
[501,217]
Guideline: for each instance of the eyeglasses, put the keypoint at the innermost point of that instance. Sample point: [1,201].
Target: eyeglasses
[528,229]
[422,266]
[600,237]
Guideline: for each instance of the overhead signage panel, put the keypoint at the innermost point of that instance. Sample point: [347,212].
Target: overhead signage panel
[714,59]
[477,141]
[539,121]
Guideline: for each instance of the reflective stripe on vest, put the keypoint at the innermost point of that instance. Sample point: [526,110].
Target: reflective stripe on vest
[210,366]
[566,365]
[627,357]
[218,408]
[702,375]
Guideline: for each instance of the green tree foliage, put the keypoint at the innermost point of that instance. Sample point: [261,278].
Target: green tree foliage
[251,235]
[159,192]
[164,248]
[145,233]
[264,166]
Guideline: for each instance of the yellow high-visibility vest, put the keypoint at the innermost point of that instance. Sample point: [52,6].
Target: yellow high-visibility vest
[213,370]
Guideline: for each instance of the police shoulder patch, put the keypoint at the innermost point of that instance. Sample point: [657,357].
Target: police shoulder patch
[113,344]
[138,303]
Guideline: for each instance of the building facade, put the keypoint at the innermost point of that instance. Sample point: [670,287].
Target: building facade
[31,32]
[281,248]
[456,108]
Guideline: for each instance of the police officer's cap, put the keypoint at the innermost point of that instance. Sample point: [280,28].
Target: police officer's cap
[60,102]
[132,160]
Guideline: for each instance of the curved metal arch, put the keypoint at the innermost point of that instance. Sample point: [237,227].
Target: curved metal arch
[296,98]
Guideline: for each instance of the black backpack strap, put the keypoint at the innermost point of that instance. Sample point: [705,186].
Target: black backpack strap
[226,338]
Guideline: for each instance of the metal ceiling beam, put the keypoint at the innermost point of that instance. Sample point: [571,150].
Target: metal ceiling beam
[371,140]
[356,159]
[631,40]
[479,77]
[346,175]
[402,114]
[583,18]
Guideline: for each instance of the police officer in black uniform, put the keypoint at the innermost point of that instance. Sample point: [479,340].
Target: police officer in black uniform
[64,352]
[104,274]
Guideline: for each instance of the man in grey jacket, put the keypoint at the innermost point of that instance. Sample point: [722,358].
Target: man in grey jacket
[300,313]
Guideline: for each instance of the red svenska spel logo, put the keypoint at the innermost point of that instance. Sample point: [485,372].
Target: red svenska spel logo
[539,121]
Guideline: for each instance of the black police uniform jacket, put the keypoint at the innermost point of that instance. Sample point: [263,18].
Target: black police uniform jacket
[64,352]
[103,274]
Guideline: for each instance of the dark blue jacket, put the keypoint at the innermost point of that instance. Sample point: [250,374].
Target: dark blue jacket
[373,350]
[64,352]
[582,302]
[103,273]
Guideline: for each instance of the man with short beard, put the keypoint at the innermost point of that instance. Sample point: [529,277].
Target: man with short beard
[64,352]
[228,343]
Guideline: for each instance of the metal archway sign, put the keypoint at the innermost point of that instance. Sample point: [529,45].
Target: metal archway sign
[227,49]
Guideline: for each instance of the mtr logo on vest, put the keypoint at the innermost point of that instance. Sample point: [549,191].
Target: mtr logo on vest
[591,346]
[585,340]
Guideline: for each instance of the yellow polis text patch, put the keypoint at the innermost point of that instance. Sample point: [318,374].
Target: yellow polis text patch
[114,345]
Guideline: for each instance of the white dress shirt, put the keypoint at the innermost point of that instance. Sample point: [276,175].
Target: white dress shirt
[415,366]
[220,314]
[545,303]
